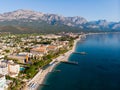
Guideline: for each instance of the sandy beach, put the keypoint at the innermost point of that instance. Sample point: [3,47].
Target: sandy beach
[38,79]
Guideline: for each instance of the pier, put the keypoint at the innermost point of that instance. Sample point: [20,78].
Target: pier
[57,71]
[70,62]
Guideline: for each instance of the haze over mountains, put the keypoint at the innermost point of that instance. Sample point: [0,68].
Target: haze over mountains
[28,21]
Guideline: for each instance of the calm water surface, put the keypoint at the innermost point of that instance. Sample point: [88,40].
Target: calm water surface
[98,70]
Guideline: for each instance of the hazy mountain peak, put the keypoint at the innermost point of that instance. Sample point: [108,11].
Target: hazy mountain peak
[20,16]
[51,18]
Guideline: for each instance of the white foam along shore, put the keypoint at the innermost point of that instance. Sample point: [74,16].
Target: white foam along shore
[38,79]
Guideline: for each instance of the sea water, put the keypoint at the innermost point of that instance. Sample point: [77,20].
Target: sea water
[99,69]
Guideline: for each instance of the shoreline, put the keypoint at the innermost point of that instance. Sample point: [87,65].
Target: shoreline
[66,70]
[68,53]
[38,79]
[41,75]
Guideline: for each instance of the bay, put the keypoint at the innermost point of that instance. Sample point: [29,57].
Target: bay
[99,69]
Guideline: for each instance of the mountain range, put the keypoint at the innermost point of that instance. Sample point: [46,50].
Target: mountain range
[28,21]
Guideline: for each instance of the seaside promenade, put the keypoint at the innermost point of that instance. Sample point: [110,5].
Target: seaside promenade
[38,79]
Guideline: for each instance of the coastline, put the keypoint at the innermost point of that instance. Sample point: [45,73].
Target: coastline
[38,79]
[41,75]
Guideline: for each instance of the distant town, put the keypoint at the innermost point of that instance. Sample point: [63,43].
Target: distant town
[22,56]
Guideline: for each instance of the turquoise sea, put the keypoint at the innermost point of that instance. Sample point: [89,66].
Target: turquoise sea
[99,69]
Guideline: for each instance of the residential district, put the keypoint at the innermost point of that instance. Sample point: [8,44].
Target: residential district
[23,55]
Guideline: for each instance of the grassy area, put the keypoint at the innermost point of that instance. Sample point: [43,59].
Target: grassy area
[31,70]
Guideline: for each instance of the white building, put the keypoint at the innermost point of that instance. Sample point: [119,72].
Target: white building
[2,82]
[9,68]
[13,69]
[1,56]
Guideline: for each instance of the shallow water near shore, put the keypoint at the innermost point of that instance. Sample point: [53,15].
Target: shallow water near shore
[99,69]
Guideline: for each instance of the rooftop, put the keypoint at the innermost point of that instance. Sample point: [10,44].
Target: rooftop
[51,47]
[40,49]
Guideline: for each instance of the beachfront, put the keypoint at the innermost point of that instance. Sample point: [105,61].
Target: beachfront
[39,77]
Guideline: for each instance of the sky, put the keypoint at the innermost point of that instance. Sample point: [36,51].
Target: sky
[89,9]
